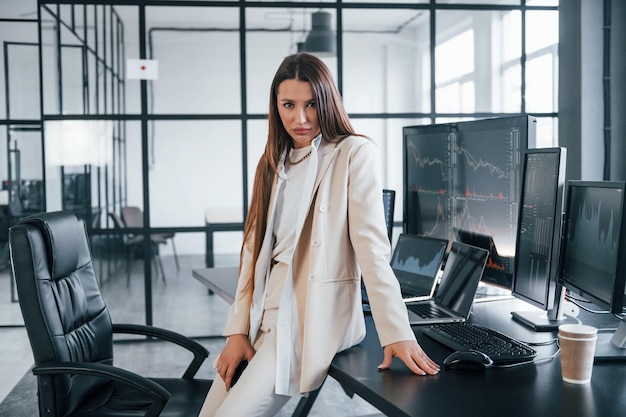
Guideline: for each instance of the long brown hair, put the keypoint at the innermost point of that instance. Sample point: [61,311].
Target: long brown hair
[334,124]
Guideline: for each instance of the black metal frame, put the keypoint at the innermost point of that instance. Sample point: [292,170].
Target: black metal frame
[108,81]
[115,110]
[12,125]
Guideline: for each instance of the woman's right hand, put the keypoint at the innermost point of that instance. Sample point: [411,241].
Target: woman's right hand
[237,349]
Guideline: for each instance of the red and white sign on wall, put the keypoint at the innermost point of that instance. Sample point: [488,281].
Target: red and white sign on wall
[142,69]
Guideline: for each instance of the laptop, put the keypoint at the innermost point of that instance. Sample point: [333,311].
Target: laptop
[498,266]
[416,263]
[478,239]
[454,297]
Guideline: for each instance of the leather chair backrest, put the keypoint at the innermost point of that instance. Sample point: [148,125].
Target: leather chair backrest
[132,216]
[65,316]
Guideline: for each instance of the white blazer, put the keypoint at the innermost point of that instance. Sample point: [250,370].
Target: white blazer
[341,238]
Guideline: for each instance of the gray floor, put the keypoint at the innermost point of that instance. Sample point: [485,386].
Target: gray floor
[181,304]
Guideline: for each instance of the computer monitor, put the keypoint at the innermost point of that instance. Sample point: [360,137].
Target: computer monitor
[389,202]
[593,254]
[539,237]
[467,176]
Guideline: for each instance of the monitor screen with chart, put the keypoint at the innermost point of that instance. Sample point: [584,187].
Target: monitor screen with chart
[464,179]
[593,255]
[593,262]
[539,234]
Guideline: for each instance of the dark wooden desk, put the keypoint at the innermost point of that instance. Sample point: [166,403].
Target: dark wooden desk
[529,390]
[526,391]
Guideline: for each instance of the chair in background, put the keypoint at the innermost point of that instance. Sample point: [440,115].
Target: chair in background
[133,244]
[71,333]
[133,217]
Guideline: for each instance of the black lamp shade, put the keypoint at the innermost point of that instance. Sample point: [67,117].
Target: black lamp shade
[321,39]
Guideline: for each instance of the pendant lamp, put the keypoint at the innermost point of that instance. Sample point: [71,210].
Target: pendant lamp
[321,39]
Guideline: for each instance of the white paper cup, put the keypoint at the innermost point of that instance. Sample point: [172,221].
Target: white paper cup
[578,345]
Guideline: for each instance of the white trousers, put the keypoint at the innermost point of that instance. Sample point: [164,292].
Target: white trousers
[253,395]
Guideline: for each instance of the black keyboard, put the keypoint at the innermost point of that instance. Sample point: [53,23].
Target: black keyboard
[465,336]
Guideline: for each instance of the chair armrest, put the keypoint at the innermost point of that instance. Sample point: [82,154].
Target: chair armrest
[200,353]
[156,392]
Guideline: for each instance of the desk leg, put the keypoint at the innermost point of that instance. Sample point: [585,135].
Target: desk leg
[209,261]
[305,404]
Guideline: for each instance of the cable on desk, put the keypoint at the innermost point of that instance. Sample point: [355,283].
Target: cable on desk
[607,330]
[611,329]
[572,297]
[578,303]
[536,361]
[544,343]
[532,362]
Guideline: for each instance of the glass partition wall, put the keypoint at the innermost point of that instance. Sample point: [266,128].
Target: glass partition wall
[87,140]
[154,115]
[21,157]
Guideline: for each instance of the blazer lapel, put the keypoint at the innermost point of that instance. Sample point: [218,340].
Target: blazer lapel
[326,153]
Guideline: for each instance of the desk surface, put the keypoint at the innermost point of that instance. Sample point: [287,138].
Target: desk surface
[530,390]
[222,281]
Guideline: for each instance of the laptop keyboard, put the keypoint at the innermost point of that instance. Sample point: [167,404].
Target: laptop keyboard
[465,336]
[426,311]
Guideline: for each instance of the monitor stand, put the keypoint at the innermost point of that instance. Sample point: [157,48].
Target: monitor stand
[539,321]
[611,346]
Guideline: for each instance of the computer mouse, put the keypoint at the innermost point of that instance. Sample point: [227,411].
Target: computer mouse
[468,360]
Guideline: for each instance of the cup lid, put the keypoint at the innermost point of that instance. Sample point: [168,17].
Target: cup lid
[574,330]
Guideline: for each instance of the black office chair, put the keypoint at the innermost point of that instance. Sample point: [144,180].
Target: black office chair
[71,334]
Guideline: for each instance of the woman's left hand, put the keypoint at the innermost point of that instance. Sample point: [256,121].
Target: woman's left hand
[411,353]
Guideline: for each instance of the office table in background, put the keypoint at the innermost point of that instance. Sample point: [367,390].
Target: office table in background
[220,219]
[222,281]
[524,391]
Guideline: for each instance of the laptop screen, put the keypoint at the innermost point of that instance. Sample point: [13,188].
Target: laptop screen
[464,268]
[416,261]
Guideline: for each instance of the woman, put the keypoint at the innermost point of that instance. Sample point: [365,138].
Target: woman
[314,228]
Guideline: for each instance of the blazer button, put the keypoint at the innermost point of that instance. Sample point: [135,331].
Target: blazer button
[311,278]
[323,209]
[315,243]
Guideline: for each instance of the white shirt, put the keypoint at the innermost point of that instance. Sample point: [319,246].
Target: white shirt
[288,200]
